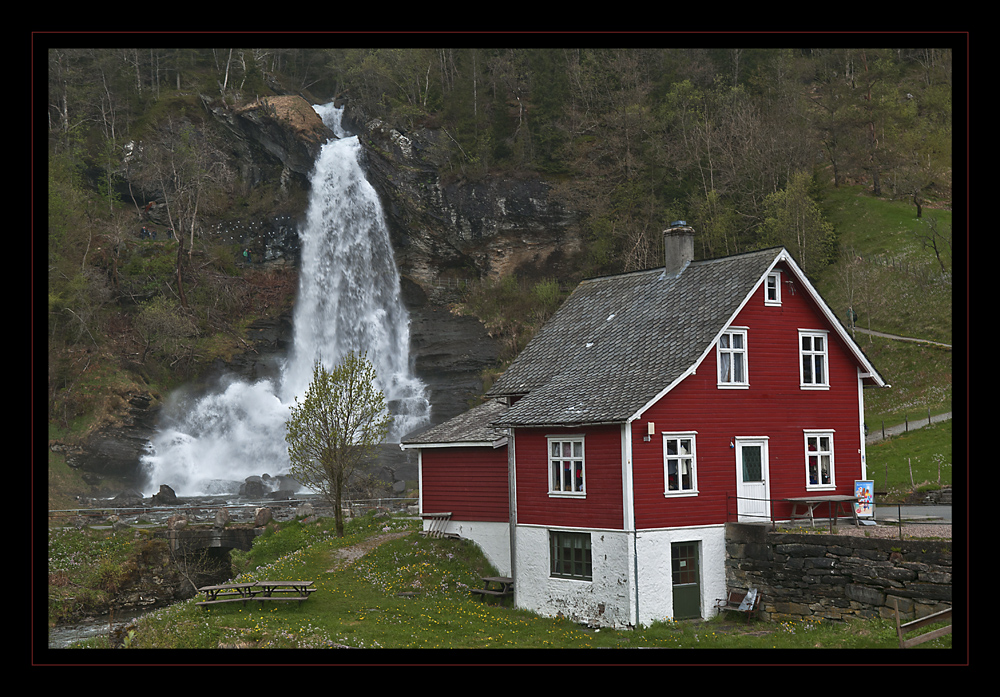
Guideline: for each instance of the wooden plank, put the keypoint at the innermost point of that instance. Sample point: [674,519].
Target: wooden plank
[903,629]
[926,637]
[228,600]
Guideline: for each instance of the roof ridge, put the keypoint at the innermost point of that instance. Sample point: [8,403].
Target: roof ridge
[699,262]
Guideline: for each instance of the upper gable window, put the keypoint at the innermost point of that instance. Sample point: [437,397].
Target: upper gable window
[813,355]
[772,289]
[732,358]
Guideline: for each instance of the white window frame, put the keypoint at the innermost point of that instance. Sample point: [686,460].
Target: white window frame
[813,439]
[691,456]
[810,355]
[730,352]
[576,456]
[774,276]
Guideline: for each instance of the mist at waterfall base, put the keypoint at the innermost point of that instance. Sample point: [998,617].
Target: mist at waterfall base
[349,299]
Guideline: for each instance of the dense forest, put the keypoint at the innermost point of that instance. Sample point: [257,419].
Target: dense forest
[738,142]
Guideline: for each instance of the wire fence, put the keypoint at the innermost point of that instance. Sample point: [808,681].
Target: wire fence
[158,514]
[883,513]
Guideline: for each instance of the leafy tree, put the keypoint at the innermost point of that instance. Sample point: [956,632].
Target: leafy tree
[334,431]
[795,221]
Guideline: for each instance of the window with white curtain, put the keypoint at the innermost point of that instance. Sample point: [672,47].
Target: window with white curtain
[732,358]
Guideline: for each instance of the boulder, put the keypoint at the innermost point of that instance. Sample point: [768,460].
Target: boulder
[261,517]
[165,497]
[253,488]
[177,522]
[304,510]
[221,518]
[129,498]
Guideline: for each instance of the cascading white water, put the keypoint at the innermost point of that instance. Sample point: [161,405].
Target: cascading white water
[349,299]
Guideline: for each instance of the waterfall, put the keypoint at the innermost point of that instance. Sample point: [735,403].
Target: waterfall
[349,299]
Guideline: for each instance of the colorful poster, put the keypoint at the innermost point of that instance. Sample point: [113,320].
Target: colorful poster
[864,491]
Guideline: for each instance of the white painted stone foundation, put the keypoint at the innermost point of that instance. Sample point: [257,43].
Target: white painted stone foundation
[655,600]
[603,601]
[610,598]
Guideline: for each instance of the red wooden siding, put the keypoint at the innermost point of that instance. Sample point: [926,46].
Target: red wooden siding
[469,482]
[602,507]
[773,406]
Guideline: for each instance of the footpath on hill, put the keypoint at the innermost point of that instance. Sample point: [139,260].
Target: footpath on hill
[900,338]
[876,434]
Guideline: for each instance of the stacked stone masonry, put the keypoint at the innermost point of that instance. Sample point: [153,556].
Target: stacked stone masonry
[836,577]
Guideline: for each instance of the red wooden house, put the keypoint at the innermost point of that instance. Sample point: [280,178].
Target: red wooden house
[653,408]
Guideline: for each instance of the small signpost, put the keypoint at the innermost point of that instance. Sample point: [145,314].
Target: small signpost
[864,490]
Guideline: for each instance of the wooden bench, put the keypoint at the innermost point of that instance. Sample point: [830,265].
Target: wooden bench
[439,523]
[747,602]
[903,629]
[505,588]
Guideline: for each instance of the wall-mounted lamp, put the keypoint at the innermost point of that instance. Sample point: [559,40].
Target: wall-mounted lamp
[650,430]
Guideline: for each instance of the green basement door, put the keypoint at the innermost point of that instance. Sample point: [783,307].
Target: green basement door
[686,579]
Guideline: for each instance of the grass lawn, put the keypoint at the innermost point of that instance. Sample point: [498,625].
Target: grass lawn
[358,605]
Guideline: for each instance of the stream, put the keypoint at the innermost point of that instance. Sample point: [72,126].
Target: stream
[63,636]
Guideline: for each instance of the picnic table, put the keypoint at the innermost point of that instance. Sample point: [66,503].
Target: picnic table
[283,590]
[258,590]
[834,503]
[227,593]
[495,586]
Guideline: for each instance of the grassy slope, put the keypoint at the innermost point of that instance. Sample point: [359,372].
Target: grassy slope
[908,299]
[358,606]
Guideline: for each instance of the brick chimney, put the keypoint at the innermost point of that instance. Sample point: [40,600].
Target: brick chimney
[678,248]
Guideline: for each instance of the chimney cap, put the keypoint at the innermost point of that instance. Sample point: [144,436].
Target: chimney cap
[679,223]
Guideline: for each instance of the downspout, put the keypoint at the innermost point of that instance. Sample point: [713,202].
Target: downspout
[629,515]
[512,506]
[861,426]
[420,485]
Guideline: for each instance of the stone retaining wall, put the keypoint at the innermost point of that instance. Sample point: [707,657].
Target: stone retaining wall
[837,577]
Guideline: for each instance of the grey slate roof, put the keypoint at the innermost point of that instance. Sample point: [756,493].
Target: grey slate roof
[469,427]
[618,341]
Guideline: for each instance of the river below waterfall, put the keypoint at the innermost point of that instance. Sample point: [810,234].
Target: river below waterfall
[64,636]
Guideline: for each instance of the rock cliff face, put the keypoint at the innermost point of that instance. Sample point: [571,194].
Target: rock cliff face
[278,134]
[457,228]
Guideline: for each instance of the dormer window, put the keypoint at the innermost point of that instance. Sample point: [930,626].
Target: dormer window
[772,289]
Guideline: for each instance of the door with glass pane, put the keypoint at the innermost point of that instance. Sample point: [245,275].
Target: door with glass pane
[686,580]
[751,480]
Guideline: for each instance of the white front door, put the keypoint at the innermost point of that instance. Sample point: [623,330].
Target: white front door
[751,480]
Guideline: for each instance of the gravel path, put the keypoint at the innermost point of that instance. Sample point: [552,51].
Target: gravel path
[348,555]
[911,531]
